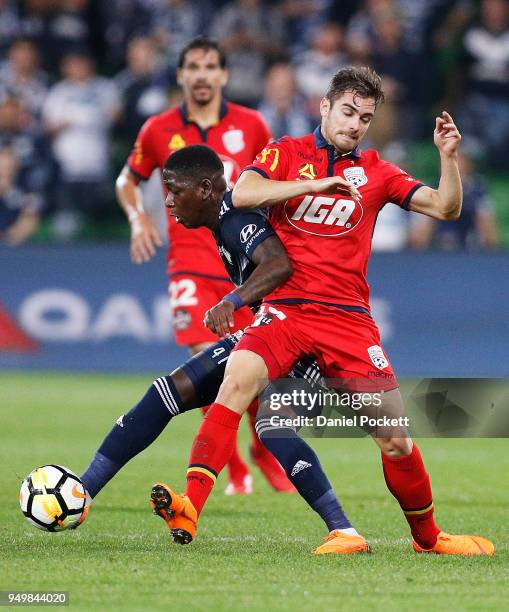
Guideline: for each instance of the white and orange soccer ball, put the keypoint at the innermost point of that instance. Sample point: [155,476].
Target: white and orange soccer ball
[53,498]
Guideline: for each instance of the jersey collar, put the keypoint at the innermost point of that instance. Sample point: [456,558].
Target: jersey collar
[321,143]
[184,113]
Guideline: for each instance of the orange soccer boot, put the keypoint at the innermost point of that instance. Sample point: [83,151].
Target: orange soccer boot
[458,545]
[340,543]
[176,510]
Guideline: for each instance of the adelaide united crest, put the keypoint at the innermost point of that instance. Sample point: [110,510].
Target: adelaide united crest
[355,176]
[233,140]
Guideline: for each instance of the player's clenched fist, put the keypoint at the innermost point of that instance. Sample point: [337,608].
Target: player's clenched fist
[333,185]
[144,238]
[219,319]
[446,135]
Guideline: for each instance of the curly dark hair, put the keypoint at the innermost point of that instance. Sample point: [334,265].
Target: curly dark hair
[361,80]
[193,162]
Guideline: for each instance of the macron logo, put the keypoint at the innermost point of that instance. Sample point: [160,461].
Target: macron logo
[299,466]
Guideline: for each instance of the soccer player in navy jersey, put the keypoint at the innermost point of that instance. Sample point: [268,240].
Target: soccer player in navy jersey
[196,274]
[256,262]
[323,308]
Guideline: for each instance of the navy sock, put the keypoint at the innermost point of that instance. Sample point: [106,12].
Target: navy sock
[132,433]
[329,508]
[304,470]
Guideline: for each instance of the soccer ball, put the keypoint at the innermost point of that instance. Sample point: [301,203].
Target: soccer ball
[53,498]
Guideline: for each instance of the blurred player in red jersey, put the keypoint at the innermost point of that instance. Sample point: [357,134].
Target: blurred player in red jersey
[197,277]
[325,194]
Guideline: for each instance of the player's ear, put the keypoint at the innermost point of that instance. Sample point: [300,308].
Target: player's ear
[179,77]
[205,188]
[225,77]
[324,107]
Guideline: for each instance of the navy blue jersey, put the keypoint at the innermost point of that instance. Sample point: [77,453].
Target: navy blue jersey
[237,235]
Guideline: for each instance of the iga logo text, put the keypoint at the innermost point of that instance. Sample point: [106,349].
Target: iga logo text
[324,215]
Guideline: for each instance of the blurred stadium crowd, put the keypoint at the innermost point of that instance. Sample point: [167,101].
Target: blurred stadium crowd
[79,77]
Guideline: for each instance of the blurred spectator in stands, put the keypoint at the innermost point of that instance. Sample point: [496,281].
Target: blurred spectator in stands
[79,112]
[142,85]
[417,19]
[69,28]
[476,228]
[282,107]
[19,211]
[391,228]
[252,35]
[20,75]
[397,69]
[302,18]
[175,23]
[21,135]
[315,67]
[121,21]
[35,19]
[446,48]
[378,35]
[486,113]
[10,26]
[343,11]
[360,32]
[57,26]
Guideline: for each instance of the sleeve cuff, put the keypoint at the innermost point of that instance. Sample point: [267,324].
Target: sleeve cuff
[137,174]
[406,201]
[256,169]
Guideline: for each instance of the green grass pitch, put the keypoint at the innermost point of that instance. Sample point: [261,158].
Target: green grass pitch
[253,552]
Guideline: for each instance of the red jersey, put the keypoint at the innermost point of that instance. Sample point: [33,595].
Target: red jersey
[328,238]
[238,136]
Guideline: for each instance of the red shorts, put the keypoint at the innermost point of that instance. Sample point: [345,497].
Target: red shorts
[345,344]
[190,298]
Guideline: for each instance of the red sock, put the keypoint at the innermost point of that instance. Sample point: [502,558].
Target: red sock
[212,447]
[408,481]
[237,467]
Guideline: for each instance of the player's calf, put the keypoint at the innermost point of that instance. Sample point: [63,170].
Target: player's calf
[133,432]
[305,472]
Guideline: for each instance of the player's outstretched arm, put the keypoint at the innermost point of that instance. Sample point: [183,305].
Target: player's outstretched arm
[443,203]
[144,235]
[255,191]
[273,267]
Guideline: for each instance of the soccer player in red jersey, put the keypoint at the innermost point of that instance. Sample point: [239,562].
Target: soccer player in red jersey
[325,194]
[197,277]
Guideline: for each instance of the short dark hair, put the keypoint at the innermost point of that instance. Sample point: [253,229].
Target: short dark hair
[195,162]
[361,80]
[206,44]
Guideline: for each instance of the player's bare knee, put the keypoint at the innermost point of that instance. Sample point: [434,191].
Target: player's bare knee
[237,392]
[395,447]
